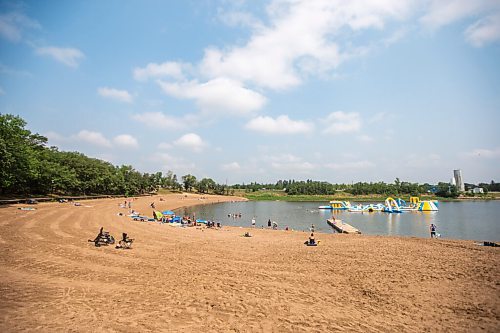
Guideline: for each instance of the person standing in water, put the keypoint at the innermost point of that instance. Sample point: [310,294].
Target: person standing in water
[269,223]
[433,230]
[253,222]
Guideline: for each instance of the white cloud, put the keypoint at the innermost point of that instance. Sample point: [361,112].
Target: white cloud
[280,125]
[68,56]
[217,96]
[12,25]
[484,31]
[126,141]
[238,18]
[119,95]
[94,138]
[161,120]
[191,141]
[174,163]
[233,166]
[440,12]
[167,69]
[342,122]
[54,137]
[164,145]
[357,165]
[298,40]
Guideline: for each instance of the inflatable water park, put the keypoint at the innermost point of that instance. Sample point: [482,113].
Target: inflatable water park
[390,205]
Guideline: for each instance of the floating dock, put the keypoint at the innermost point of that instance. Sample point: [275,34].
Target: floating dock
[342,227]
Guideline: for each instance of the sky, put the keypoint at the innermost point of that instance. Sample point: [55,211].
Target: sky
[242,91]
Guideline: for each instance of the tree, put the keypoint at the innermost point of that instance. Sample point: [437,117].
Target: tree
[189,182]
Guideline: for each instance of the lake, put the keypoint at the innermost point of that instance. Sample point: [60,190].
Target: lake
[472,220]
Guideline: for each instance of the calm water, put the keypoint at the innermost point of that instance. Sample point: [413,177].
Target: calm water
[473,220]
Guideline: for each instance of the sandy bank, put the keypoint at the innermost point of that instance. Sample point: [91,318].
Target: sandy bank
[203,280]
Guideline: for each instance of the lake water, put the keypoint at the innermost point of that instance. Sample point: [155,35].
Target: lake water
[472,220]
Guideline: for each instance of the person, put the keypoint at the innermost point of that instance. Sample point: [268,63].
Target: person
[433,230]
[253,222]
[275,225]
[269,223]
[312,241]
[153,205]
[98,237]
[312,227]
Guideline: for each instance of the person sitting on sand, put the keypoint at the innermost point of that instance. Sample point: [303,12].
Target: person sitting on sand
[312,241]
[98,237]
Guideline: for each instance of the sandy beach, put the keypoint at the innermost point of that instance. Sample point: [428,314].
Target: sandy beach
[204,280]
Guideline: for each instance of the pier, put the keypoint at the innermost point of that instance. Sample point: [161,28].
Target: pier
[342,227]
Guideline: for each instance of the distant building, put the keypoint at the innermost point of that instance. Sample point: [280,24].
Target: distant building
[459,180]
[477,190]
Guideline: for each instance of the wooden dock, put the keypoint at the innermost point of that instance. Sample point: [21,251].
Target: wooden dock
[342,227]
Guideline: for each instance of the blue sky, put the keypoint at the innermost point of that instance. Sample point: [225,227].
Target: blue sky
[341,91]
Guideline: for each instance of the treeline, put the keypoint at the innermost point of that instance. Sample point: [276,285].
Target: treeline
[310,187]
[28,167]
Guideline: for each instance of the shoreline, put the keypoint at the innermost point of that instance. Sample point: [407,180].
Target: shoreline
[201,279]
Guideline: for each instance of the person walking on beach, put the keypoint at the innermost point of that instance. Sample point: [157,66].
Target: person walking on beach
[433,230]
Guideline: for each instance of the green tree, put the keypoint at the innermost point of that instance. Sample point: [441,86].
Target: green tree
[189,182]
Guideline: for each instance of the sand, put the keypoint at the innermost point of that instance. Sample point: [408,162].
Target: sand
[204,280]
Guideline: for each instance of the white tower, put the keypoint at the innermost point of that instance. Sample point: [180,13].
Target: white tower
[459,180]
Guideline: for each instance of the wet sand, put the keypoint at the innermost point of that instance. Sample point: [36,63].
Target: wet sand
[204,280]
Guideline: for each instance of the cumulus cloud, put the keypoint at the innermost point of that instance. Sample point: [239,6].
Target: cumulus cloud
[126,141]
[167,69]
[94,138]
[68,56]
[13,24]
[281,125]
[191,141]
[119,95]
[298,40]
[171,162]
[484,31]
[233,166]
[217,96]
[161,120]
[340,122]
